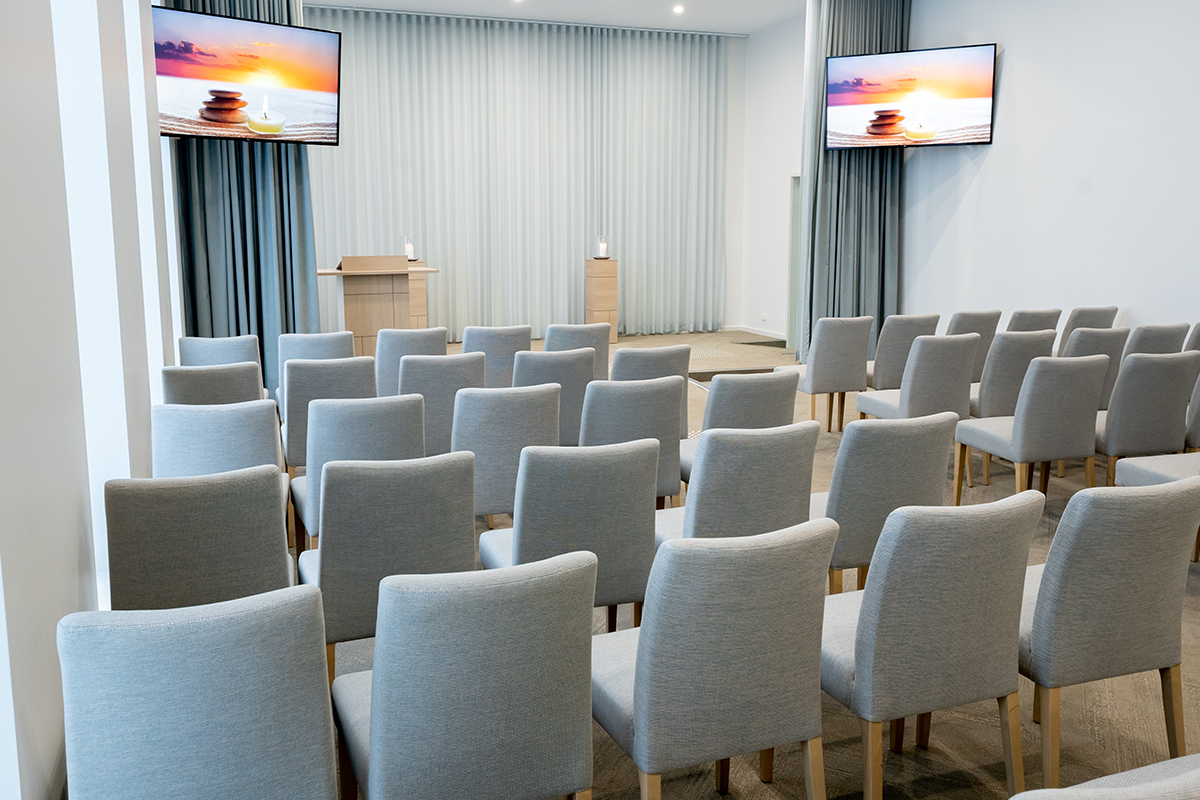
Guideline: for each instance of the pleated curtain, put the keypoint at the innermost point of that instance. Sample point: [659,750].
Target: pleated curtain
[504,148]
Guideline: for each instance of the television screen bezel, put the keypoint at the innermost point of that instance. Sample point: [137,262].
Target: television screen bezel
[908,143]
[266,139]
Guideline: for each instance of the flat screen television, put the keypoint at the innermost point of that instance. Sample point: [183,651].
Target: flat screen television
[918,98]
[226,78]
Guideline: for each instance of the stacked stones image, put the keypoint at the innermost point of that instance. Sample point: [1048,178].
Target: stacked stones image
[224,107]
[886,123]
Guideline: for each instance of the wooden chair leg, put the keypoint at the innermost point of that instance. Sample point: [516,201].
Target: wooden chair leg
[1062,468]
[722,775]
[612,618]
[862,577]
[1029,476]
[1010,737]
[924,723]
[862,415]
[329,648]
[347,783]
[1021,471]
[896,735]
[586,794]
[872,755]
[637,613]
[1044,477]
[659,503]
[829,413]
[1110,479]
[1048,699]
[841,411]
[491,521]
[969,468]
[1196,548]
[835,581]
[960,454]
[814,769]
[766,765]
[1173,710]
[812,406]
[987,469]
[1037,707]
[1089,469]
[651,786]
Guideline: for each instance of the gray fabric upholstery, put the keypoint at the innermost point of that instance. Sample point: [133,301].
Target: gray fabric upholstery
[624,411]
[188,541]
[312,346]
[669,692]
[1152,470]
[1193,417]
[573,337]
[1175,779]
[1054,418]
[1148,411]
[837,356]
[896,338]
[763,400]
[867,486]
[687,457]
[483,685]
[495,425]
[933,631]
[982,322]
[572,370]
[937,378]
[1026,320]
[214,385]
[598,499]
[206,701]
[643,363]
[1193,340]
[1004,372]
[305,380]
[1156,339]
[498,345]
[392,344]
[1099,317]
[381,518]
[205,351]
[1099,341]
[201,440]
[438,379]
[1110,598]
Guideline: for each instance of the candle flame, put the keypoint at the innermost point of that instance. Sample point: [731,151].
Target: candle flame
[265,112]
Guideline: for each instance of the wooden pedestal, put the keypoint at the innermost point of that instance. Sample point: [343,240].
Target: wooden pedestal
[600,294]
[381,292]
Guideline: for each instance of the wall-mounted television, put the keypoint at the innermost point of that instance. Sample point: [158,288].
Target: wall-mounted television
[226,78]
[918,98]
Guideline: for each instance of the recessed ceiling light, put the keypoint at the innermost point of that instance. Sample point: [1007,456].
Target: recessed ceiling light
[678,9]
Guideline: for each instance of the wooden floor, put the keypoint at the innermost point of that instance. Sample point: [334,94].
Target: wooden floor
[1107,727]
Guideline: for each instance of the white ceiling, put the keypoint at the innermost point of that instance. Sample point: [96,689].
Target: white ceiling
[717,16]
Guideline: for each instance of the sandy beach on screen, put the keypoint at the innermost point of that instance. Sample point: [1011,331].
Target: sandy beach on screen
[311,116]
[958,122]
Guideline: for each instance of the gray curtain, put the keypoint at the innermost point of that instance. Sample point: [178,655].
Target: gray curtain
[847,254]
[245,224]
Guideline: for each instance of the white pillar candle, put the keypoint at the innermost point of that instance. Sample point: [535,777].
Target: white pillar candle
[408,251]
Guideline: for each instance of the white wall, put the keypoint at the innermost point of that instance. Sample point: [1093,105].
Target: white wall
[1088,195]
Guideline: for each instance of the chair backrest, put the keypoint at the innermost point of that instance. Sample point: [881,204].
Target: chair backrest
[188,541]
[359,429]
[1156,339]
[1005,369]
[1148,411]
[572,370]
[866,485]
[393,344]
[216,385]
[573,337]
[305,380]
[896,338]
[201,440]
[625,411]
[1097,317]
[762,400]
[1027,320]
[215,698]
[313,346]
[1055,417]
[1193,418]
[690,704]
[1193,340]
[982,322]
[381,518]
[508,682]
[837,355]
[205,351]
[937,376]
[599,499]
[636,364]
[1099,341]
[495,425]
[934,629]
[1111,598]
[438,379]
[499,345]
[750,481]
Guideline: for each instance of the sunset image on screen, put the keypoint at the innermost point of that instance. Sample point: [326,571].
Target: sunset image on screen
[915,98]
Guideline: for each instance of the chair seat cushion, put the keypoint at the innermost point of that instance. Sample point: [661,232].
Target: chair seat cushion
[300,501]
[614,656]
[1033,582]
[884,404]
[352,707]
[668,524]
[496,548]
[989,435]
[837,645]
[1152,470]
[974,399]
[687,454]
[310,567]
[1186,767]
[816,504]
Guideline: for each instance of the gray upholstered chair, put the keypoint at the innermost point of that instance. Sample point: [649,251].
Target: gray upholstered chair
[495,425]
[1193,419]
[1007,361]
[1041,320]
[668,693]
[745,482]
[572,370]
[982,322]
[1099,341]
[188,541]
[867,485]
[381,518]
[1193,340]
[1098,317]
[642,363]
[438,379]
[1148,412]
[201,440]
[599,499]
[937,378]
[305,380]
[214,698]
[206,351]
[837,364]
[573,337]
[393,344]
[625,411]
[1109,600]
[895,650]
[896,338]
[1153,470]
[1176,779]
[1053,420]
[311,346]
[477,670]
[215,385]
[498,345]
[763,400]
[1155,339]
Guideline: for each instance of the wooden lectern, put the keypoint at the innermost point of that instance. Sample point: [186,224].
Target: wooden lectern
[381,292]
[600,294]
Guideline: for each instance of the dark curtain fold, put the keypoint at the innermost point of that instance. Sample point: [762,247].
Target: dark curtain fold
[245,224]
